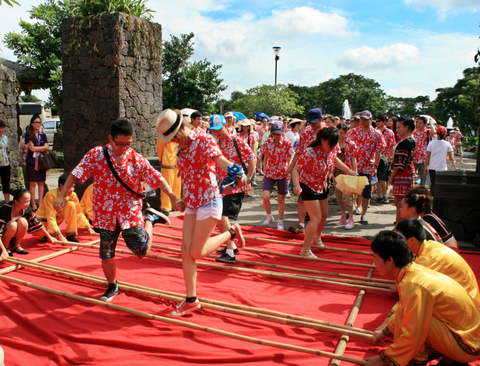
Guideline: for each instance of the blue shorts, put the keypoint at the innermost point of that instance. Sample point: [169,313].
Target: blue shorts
[136,239]
[212,208]
[282,185]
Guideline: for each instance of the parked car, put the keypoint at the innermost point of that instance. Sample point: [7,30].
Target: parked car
[50,127]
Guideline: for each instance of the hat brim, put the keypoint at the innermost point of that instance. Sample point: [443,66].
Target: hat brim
[278,132]
[313,120]
[219,127]
[171,135]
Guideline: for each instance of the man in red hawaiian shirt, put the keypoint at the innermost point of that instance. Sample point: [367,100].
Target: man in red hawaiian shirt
[277,151]
[116,209]
[232,201]
[314,124]
[383,171]
[370,145]
[422,136]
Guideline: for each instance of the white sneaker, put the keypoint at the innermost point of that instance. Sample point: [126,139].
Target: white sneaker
[268,221]
[288,195]
[318,242]
[307,254]
[280,226]
[350,224]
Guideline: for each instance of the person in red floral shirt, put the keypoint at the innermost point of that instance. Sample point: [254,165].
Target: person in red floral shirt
[277,151]
[116,209]
[383,171]
[370,145]
[261,130]
[232,201]
[197,160]
[310,181]
[250,136]
[422,136]
[314,124]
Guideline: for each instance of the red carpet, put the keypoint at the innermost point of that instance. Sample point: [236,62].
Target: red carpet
[44,329]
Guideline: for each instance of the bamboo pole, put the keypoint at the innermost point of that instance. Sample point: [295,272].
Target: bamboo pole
[304,270]
[184,323]
[282,242]
[342,344]
[210,304]
[367,286]
[363,265]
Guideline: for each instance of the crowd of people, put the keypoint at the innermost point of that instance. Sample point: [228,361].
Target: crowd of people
[214,160]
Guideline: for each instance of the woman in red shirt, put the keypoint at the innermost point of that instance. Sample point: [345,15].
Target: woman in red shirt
[310,181]
[197,158]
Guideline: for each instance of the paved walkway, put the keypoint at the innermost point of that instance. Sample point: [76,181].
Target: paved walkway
[380,216]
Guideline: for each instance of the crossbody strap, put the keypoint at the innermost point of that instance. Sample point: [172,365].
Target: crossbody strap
[239,155]
[107,158]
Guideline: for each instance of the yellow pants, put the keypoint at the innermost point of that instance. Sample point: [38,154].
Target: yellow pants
[175,184]
[439,339]
[73,217]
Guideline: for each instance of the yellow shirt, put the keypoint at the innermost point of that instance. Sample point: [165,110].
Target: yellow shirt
[424,294]
[47,212]
[87,202]
[442,259]
[167,154]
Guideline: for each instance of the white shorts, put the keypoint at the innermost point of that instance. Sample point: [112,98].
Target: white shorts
[212,208]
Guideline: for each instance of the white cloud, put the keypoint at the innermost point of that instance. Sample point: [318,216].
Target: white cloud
[388,57]
[306,20]
[444,6]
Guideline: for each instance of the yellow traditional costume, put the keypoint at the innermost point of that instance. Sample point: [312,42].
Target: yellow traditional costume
[71,213]
[167,155]
[87,202]
[435,315]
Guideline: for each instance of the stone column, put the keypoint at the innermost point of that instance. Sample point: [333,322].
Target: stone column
[112,68]
[8,114]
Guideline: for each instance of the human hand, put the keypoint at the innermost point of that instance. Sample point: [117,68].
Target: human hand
[60,237]
[378,337]
[374,361]
[59,203]
[3,255]
[392,290]
[297,190]
[90,231]
[179,205]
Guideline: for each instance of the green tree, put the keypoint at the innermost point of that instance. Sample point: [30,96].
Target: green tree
[307,97]
[29,98]
[10,2]
[280,101]
[85,8]
[409,107]
[194,85]
[362,93]
[461,102]
[39,45]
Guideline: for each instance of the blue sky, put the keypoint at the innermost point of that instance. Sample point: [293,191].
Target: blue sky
[410,47]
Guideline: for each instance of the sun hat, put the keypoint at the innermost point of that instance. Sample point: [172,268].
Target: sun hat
[314,115]
[217,121]
[168,123]
[277,128]
[228,114]
[244,122]
[442,130]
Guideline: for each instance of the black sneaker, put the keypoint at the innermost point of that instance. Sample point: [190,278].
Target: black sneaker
[156,217]
[111,292]
[225,258]
[73,239]
[224,250]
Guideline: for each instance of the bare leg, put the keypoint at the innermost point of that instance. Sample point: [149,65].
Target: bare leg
[224,225]
[40,193]
[109,269]
[398,217]
[32,195]
[266,202]
[301,211]
[315,213]
[281,206]
[149,230]
[324,215]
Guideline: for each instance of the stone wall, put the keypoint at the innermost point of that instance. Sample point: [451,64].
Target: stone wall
[8,114]
[112,68]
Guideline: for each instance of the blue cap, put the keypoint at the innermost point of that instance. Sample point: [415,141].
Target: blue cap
[217,121]
[314,115]
[239,116]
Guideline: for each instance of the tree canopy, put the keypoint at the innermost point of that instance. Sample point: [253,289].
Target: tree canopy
[39,45]
[188,84]
[271,100]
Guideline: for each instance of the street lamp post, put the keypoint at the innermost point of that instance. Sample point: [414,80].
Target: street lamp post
[276,51]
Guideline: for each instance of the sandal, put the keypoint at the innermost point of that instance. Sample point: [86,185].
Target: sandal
[19,250]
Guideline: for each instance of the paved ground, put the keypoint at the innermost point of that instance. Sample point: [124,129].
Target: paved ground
[380,216]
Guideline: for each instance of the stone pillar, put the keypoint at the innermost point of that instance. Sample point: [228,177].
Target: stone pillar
[8,114]
[112,68]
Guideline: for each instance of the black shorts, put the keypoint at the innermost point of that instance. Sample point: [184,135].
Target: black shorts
[232,204]
[367,191]
[383,171]
[309,194]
